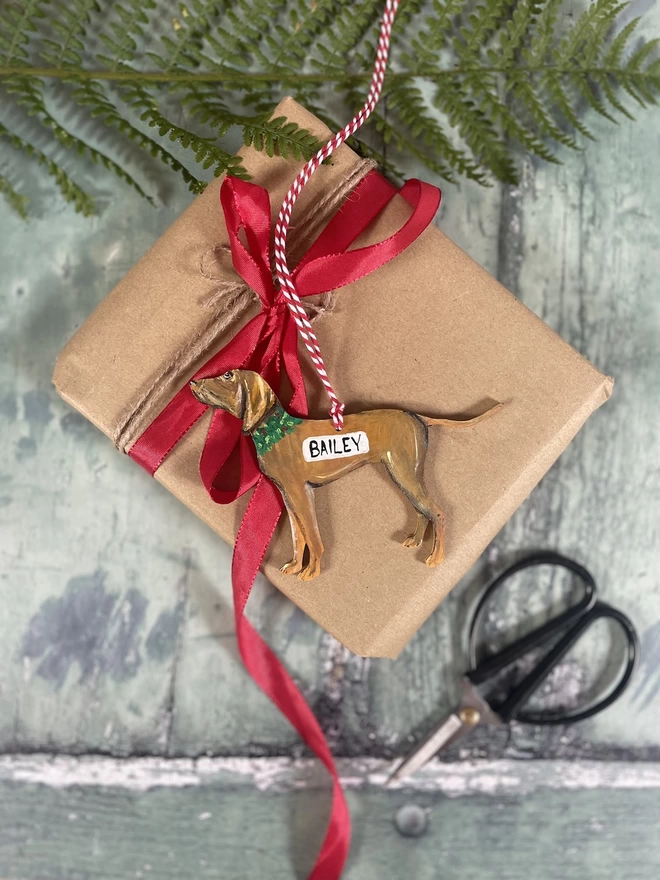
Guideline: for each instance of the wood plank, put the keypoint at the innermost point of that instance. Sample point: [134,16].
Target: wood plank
[578,243]
[239,819]
[116,601]
[116,630]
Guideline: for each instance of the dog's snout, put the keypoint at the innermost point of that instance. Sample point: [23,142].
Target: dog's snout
[197,387]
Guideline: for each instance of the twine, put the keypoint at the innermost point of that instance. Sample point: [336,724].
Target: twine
[226,304]
[284,219]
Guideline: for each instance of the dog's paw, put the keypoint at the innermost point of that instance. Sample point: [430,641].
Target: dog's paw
[412,541]
[292,567]
[434,559]
[310,572]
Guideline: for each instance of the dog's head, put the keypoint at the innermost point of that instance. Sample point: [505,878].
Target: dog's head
[243,393]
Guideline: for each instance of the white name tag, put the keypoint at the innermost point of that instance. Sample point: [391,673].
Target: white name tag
[335,446]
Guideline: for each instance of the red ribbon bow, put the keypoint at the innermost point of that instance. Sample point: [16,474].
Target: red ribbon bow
[268,344]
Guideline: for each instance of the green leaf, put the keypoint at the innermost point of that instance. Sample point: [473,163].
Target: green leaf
[83,202]
[471,84]
[612,57]
[15,200]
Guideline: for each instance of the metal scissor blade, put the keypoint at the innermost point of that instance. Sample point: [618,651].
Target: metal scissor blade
[428,747]
[472,700]
[473,710]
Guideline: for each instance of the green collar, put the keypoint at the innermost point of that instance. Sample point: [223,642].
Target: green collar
[278,424]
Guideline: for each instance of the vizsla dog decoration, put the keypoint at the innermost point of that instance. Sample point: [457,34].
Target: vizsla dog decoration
[299,455]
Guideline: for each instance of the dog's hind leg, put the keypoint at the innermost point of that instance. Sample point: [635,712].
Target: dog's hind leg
[300,499]
[404,471]
[417,537]
[296,564]
[438,551]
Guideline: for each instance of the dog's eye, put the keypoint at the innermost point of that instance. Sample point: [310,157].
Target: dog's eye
[228,375]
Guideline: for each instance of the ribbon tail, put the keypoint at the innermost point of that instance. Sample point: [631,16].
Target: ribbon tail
[255,532]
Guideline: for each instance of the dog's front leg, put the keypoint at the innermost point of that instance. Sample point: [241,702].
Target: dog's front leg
[296,564]
[299,502]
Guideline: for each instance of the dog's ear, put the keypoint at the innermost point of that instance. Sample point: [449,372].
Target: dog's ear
[258,398]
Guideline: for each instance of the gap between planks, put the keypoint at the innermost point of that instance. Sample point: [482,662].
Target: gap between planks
[459,779]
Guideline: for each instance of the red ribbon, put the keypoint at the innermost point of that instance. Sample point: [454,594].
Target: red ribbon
[268,344]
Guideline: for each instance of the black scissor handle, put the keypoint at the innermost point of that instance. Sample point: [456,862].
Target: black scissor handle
[492,665]
[511,707]
[582,615]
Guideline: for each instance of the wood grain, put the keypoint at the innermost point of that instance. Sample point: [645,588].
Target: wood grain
[86,536]
[226,819]
[116,631]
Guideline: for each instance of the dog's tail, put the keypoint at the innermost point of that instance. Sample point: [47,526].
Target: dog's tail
[462,423]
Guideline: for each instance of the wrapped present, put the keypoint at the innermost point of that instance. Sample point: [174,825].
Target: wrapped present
[429,332]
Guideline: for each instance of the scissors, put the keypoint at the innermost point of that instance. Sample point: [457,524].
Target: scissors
[569,625]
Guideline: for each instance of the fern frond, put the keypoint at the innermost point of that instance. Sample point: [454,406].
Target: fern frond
[602,82]
[552,84]
[16,24]
[592,23]
[525,93]
[70,25]
[391,134]
[190,30]
[92,95]
[233,41]
[435,33]
[505,119]
[14,199]
[506,75]
[275,136]
[350,25]
[513,35]
[409,107]
[545,23]
[206,151]
[28,94]
[126,28]
[292,47]
[600,30]
[639,83]
[279,137]
[477,130]
[83,202]
[584,86]
[642,55]
[612,58]
[244,36]
[483,23]
[72,28]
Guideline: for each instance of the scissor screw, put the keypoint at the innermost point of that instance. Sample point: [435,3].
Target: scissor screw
[470,715]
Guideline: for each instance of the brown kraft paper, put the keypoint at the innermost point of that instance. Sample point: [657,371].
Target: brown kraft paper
[431,332]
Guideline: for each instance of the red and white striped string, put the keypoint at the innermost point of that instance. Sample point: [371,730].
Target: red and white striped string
[284,217]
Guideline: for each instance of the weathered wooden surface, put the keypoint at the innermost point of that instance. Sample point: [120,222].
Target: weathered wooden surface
[121,636]
[242,820]
[116,630]
[117,615]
